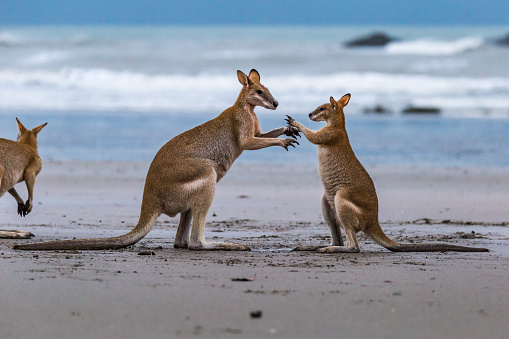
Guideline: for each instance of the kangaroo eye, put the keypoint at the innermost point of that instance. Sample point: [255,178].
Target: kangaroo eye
[321,109]
[259,92]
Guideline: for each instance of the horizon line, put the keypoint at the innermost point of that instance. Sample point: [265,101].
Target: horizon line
[430,25]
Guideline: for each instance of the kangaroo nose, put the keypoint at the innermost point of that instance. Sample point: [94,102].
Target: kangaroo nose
[275,103]
[310,115]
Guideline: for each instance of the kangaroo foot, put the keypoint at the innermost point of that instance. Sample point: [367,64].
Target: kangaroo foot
[308,248]
[218,246]
[338,249]
[181,245]
[14,234]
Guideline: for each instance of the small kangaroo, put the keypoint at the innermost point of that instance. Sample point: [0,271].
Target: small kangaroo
[350,199]
[20,161]
[183,175]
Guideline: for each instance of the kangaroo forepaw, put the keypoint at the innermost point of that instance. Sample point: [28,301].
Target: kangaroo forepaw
[288,142]
[28,207]
[289,120]
[292,132]
[24,208]
[21,209]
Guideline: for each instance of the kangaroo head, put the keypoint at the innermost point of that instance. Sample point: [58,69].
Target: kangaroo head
[28,136]
[332,111]
[254,92]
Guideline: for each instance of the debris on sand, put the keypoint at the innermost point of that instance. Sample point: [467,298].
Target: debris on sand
[244,279]
[256,314]
[147,253]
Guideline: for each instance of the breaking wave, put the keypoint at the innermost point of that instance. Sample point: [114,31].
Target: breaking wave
[99,89]
[434,47]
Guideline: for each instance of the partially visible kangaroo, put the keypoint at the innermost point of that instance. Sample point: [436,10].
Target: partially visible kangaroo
[350,199]
[20,161]
[183,175]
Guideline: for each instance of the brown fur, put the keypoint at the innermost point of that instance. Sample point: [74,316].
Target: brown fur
[20,161]
[183,175]
[350,199]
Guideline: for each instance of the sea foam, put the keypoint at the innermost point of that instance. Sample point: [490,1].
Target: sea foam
[434,47]
[99,89]
[9,39]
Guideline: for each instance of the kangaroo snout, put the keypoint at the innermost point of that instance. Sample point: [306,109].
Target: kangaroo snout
[275,104]
[310,116]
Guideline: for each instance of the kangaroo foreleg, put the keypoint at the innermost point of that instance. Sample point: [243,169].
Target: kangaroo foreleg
[288,131]
[29,178]
[254,143]
[274,133]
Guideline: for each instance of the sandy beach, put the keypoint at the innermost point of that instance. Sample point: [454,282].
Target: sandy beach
[151,290]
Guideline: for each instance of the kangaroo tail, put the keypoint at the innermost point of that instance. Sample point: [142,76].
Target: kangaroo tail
[142,228]
[381,238]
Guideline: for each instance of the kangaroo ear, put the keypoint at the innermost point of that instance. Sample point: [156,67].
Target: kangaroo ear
[333,104]
[21,128]
[254,75]
[242,78]
[344,100]
[37,129]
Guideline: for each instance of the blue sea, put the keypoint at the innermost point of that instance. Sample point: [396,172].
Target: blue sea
[120,93]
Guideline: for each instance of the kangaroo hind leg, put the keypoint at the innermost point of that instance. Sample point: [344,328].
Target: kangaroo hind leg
[330,218]
[198,242]
[348,216]
[182,236]
[200,203]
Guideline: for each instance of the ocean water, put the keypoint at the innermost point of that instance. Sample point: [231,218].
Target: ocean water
[119,93]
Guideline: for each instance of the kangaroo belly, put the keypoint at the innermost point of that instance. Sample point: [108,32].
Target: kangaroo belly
[334,171]
[342,172]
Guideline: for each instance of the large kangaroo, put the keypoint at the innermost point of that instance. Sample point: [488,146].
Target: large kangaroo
[183,175]
[350,199]
[20,161]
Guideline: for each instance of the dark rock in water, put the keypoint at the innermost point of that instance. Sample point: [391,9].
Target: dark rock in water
[374,39]
[378,109]
[503,41]
[421,110]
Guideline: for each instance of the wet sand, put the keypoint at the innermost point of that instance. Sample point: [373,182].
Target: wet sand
[151,290]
